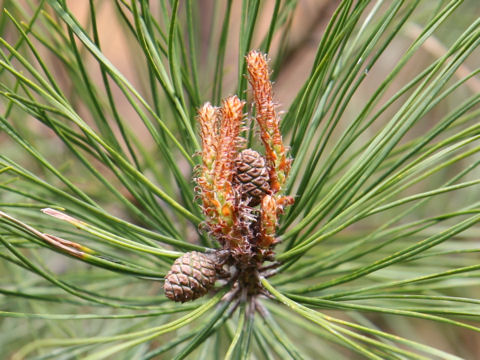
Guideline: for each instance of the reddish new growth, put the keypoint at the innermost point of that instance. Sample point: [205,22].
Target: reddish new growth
[240,190]
[268,119]
[219,131]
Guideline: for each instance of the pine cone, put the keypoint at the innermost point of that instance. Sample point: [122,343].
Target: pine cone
[190,277]
[251,176]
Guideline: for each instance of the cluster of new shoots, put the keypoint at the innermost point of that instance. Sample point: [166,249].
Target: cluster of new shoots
[240,191]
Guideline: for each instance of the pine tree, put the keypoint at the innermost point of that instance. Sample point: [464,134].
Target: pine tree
[127,132]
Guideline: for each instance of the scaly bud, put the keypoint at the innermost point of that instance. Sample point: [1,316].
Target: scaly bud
[227,147]
[220,136]
[208,120]
[268,223]
[268,120]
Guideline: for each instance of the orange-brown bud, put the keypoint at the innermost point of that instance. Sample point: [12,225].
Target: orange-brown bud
[219,131]
[231,121]
[208,120]
[268,222]
[268,120]
[283,202]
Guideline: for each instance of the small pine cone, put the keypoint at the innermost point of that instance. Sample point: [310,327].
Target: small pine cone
[190,277]
[251,176]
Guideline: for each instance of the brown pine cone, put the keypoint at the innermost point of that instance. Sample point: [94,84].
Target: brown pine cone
[190,277]
[251,176]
